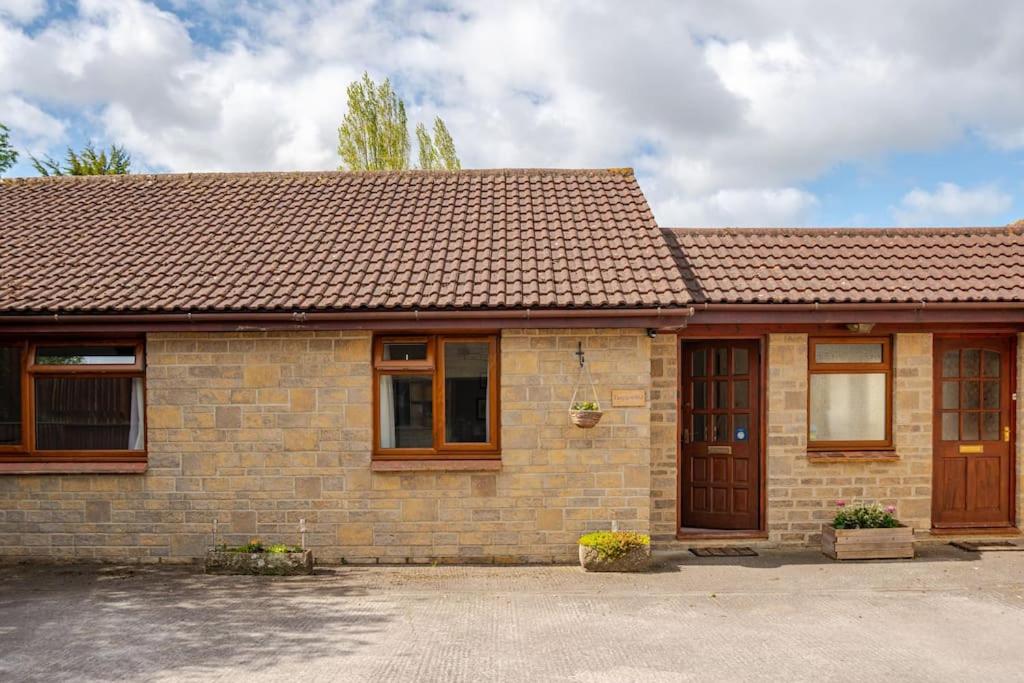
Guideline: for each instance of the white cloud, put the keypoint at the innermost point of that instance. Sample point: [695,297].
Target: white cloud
[739,208]
[951,204]
[22,11]
[724,108]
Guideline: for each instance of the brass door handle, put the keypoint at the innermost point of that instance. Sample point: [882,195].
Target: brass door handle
[1006,433]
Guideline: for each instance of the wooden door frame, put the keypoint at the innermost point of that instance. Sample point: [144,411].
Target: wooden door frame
[1012,378]
[762,436]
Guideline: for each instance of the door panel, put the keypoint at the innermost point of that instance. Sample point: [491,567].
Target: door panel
[973,455]
[720,451]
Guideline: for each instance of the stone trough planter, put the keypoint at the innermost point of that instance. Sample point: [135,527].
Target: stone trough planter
[268,564]
[896,543]
[615,551]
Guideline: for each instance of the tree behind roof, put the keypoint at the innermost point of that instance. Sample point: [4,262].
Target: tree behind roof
[8,155]
[374,135]
[87,162]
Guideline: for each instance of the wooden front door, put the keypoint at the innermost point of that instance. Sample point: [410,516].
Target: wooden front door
[720,477]
[973,455]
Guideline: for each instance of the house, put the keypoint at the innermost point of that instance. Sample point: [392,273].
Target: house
[390,357]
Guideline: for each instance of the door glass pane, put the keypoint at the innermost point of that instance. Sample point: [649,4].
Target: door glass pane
[990,426]
[741,394]
[89,413]
[721,361]
[990,395]
[740,361]
[969,426]
[406,411]
[405,351]
[700,363]
[467,416]
[741,421]
[951,395]
[951,364]
[10,395]
[721,394]
[990,364]
[847,407]
[848,353]
[950,427]
[85,355]
[722,428]
[700,395]
[971,395]
[972,362]
[700,427]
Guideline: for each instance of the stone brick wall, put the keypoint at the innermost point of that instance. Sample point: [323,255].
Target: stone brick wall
[802,494]
[664,417]
[259,430]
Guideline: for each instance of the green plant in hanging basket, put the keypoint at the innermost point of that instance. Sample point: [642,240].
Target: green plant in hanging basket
[585,414]
[591,406]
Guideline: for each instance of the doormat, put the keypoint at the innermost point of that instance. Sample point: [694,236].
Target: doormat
[981,546]
[724,551]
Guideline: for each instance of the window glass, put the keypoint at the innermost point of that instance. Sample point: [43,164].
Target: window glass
[740,362]
[950,427]
[85,355]
[406,411]
[848,353]
[990,364]
[951,364]
[699,363]
[466,397]
[972,362]
[10,395]
[89,413]
[990,426]
[721,357]
[847,407]
[405,351]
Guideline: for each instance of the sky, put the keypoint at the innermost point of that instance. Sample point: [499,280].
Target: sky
[732,113]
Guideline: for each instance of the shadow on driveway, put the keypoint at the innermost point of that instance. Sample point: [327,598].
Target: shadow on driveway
[131,622]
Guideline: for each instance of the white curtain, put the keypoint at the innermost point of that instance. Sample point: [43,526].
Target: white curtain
[137,430]
[387,412]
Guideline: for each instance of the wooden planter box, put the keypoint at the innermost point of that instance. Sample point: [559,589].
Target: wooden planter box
[636,560]
[868,544]
[270,564]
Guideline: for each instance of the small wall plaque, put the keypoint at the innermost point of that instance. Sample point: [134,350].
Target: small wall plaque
[628,398]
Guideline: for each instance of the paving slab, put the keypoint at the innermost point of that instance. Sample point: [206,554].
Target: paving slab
[791,615]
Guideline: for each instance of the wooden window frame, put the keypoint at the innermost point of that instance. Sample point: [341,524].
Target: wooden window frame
[26,451]
[884,367]
[434,368]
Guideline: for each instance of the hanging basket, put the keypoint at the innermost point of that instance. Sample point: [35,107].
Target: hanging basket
[585,419]
[583,413]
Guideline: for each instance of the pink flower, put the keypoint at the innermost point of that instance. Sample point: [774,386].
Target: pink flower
[891,509]
[840,503]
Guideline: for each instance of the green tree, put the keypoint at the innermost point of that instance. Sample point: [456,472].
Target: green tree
[8,155]
[437,153]
[87,162]
[374,135]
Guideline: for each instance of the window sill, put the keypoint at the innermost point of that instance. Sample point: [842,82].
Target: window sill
[72,467]
[490,465]
[827,457]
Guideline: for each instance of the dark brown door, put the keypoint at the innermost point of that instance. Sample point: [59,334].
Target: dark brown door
[973,456]
[720,459]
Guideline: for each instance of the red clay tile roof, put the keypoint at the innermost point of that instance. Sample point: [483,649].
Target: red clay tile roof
[896,265]
[332,241]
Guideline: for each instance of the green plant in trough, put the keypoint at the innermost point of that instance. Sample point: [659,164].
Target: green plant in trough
[257,546]
[865,517]
[587,406]
[611,545]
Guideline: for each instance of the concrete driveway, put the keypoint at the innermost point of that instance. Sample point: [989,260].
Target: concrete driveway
[783,615]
